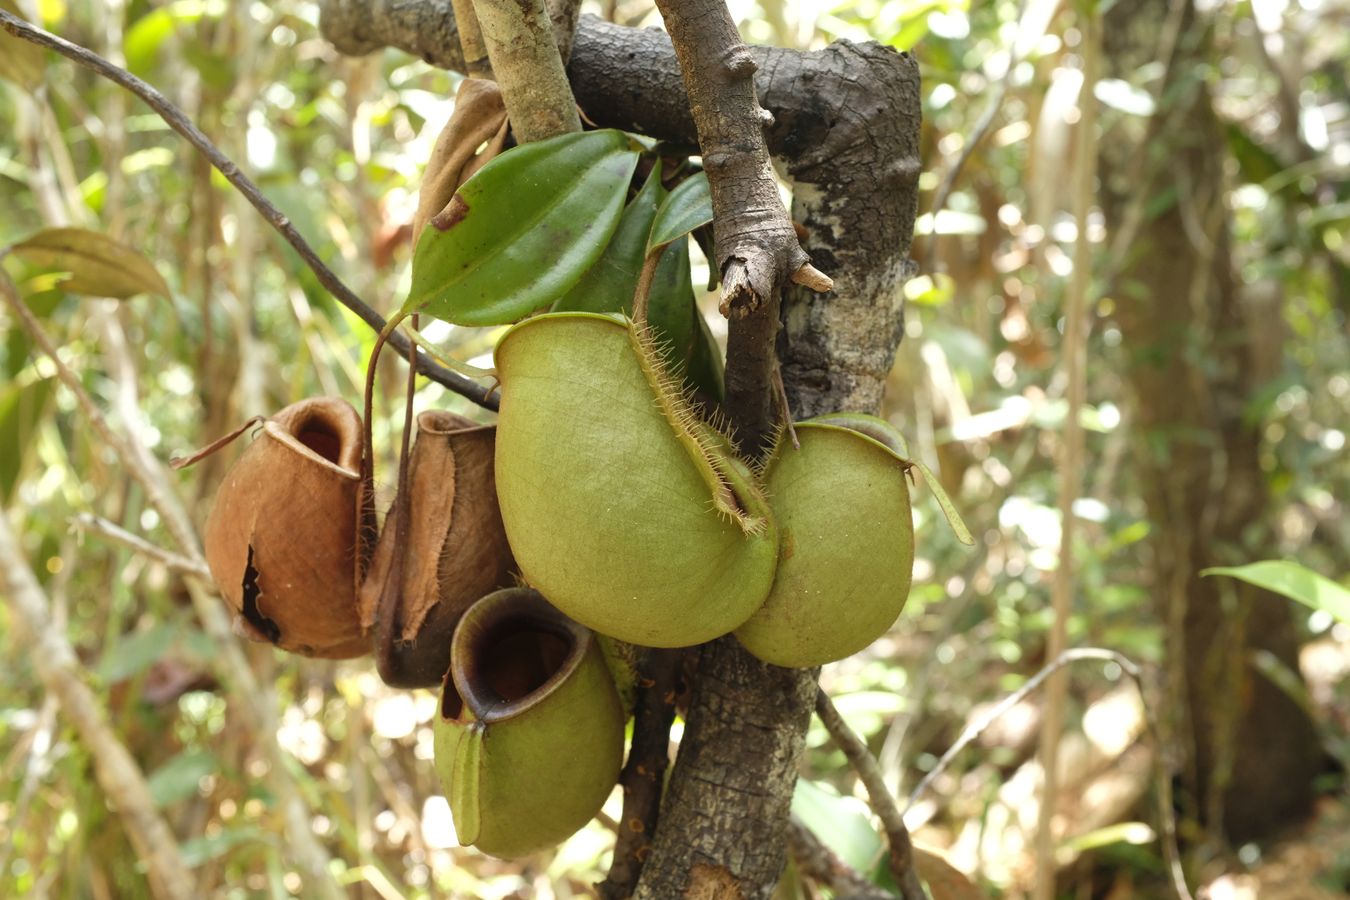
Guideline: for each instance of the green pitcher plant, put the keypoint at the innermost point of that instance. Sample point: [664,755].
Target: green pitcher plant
[847,541]
[628,512]
[529,739]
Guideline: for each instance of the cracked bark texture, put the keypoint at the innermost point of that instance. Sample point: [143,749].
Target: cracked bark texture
[424,28]
[755,246]
[846,137]
[845,134]
[525,61]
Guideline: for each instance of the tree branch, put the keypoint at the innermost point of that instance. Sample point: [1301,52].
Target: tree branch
[643,775]
[901,854]
[845,134]
[176,119]
[426,29]
[174,561]
[527,65]
[756,247]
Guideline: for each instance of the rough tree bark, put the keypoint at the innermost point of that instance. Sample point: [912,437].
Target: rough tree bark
[1250,751]
[845,133]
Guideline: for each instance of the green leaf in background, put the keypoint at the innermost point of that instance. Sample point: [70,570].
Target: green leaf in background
[137,652]
[1295,582]
[530,224]
[21,409]
[177,779]
[687,207]
[672,311]
[145,38]
[98,265]
[197,851]
[844,824]
[20,62]
[930,290]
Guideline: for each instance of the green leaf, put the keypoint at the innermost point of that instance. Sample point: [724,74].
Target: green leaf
[608,285]
[672,311]
[145,38]
[98,265]
[532,222]
[844,824]
[705,363]
[21,409]
[178,778]
[136,653]
[20,62]
[1295,582]
[689,206]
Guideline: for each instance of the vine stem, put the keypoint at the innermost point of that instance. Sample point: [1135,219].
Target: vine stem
[176,119]
[365,507]
[901,856]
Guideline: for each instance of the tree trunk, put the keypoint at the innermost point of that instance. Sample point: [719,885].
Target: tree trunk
[1249,751]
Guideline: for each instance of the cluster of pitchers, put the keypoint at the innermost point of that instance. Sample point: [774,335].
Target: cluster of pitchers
[600,508]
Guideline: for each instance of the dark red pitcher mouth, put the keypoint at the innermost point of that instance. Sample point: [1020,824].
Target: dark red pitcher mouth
[510,651]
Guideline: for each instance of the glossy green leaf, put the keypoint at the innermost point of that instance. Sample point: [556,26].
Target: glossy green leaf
[98,265]
[1295,582]
[689,206]
[705,362]
[21,409]
[20,62]
[608,285]
[672,311]
[531,223]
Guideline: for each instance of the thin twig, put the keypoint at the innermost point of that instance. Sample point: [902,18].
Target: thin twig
[977,727]
[1166,815]
[901,854]
[174,561]
[644,773]
[179,122]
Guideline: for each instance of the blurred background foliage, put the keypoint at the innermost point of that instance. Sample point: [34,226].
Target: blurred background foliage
[337,143]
